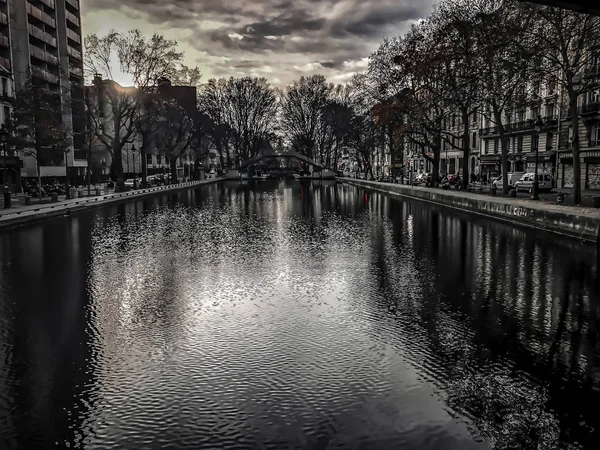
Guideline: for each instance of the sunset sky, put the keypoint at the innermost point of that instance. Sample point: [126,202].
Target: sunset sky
[277,39]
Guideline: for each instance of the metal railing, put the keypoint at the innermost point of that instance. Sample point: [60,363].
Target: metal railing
[73,52]
[40,15]
[74,3]
[72,18]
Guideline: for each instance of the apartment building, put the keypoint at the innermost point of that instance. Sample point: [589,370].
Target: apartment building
[589,138]
[46,35]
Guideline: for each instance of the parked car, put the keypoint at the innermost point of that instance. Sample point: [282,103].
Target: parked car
[129,183]
[525,183]
[513,177]
[423,178]
[453,179]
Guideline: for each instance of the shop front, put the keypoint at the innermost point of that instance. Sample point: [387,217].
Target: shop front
[10,174]
[546,163]
[592,170]
[489,166]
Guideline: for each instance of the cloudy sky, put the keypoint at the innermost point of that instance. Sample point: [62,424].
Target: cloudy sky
[277,39]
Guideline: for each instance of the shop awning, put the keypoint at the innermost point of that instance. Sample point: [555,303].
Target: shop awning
[489,163]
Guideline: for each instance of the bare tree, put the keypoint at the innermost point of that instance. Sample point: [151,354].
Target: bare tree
[176,132]
[506,54]
[146,60]
[251,107]
[569,42]
[34,128]
[213,105]
[303,109]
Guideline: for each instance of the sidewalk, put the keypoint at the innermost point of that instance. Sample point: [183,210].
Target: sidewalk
[20,214]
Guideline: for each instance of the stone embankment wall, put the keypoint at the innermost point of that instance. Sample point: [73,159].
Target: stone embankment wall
[575,222]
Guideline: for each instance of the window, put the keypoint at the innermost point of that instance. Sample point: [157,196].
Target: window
[474,118]
[520,144]
[570,140]
[535,112]
[595,135]
[453,120]
[149,159]
[550,110]
[6,113]
[474,144]
[521,115]
[158,160]
[486,147]
[535,139]
[496,141]
[549,141]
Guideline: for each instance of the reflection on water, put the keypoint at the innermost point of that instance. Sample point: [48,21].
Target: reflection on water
[290,315]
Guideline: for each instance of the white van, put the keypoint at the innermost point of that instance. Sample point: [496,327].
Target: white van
[526,182]
[513,177]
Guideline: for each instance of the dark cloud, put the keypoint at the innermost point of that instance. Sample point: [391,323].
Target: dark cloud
[279,34]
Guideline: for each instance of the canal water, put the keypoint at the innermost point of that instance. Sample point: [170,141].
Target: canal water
[288,315]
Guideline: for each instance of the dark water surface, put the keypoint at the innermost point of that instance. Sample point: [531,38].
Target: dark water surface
[289,315]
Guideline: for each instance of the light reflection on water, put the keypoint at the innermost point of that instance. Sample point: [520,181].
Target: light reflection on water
[294,315]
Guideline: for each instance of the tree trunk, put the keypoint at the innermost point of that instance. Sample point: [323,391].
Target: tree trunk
[466,148]
[173,160]
[144,157]
[576,159]
[39,177]
[437,148]
[117,167]
[503,150]
[89,171]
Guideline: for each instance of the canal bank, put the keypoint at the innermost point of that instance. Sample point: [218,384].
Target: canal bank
[578,223]
[37,212]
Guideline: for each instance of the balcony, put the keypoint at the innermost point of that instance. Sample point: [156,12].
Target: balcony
[72,18]
[40,54]
[73,36]
[74,53]
[5,62]
[41,35]
[45,75]
[3,18]
[4,42]
[40,15]
[74,4]
[49,3]
[76,71]
[550,120]
[590,108]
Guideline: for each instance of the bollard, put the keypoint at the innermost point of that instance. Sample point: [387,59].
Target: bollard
[27,200]
[512,193]
[54,197]
[79,194]
[98,192]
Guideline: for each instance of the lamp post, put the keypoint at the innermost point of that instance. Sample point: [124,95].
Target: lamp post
[538,128]
[67,184]
[3,136]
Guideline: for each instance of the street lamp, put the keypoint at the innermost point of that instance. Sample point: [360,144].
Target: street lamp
[538,128]
[3,136]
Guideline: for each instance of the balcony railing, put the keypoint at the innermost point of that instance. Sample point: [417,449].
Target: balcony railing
[42,55]
[45,75]
[72,18]
[74,53]
[40,15]
[49,3]
[41,35]
[5,62]
[590,108]
[76,71]
[74,3]
[3,18]
[73,36]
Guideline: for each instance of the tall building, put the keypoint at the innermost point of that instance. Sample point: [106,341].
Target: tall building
[45,35]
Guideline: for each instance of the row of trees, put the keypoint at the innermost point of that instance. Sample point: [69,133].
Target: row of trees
[481,58]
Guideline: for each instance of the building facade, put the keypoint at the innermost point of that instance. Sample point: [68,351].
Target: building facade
[45,35]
